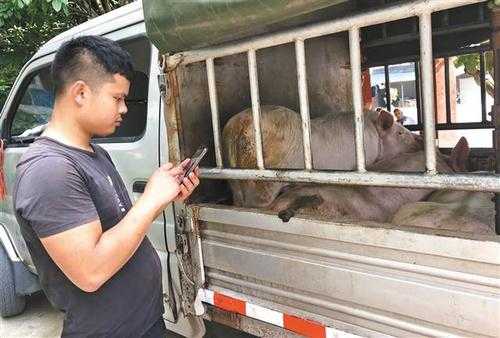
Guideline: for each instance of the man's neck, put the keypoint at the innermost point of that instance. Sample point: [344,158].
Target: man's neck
[67,131]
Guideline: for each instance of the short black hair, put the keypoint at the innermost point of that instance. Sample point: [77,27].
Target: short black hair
[93,59]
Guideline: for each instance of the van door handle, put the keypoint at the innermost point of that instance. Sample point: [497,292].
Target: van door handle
[139,186]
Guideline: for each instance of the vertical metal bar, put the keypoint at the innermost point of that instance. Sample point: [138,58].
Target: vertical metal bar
[427,63]
[304,102]
[446,19]
[447,89]
[483,86]
[357,96]
[387,88]
[172,113]
[212,90]
[495,42]
[434,80]
[418,93]
[384,30]
[480,13]
[254,92]
[414,26]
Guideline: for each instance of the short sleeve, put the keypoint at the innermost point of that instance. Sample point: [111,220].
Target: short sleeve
[52,197]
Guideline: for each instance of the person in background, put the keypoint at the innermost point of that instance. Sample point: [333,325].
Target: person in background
[401,118]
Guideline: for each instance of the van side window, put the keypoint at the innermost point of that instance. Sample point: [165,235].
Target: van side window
[34,108]
[134,121]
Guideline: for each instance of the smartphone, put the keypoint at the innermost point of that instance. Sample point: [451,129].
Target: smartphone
[195,160]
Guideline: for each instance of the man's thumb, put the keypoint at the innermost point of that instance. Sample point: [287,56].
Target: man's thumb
[167,166]
[178,170]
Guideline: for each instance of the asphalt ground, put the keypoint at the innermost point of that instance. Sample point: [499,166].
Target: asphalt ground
[41,320]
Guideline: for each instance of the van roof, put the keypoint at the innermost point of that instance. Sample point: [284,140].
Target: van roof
[121,17]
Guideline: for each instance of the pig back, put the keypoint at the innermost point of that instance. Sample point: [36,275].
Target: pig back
[333,142]
[281,138]
[282,148]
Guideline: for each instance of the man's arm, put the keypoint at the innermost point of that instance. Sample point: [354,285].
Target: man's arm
[89,257]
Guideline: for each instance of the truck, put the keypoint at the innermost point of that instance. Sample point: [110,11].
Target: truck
[197,64]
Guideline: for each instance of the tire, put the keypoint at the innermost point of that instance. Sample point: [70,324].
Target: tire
[11,304]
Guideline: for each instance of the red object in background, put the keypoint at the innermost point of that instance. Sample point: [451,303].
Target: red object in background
[366,89]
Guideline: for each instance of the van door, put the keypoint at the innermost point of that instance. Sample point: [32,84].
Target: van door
[26,111]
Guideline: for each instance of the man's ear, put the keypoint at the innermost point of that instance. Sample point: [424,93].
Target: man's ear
[79,91]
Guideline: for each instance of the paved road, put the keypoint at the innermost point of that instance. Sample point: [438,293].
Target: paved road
[40,320]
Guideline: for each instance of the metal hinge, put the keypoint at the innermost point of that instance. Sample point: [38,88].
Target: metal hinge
[163,84]
[190,260]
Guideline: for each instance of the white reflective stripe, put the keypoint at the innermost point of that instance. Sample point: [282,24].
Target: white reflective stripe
[263,314]
[7,245]
[207,296]
[334,333]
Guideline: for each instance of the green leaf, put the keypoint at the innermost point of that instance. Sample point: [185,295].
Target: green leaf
[57,5]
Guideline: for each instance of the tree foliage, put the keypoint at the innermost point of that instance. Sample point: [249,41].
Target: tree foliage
[471,64]
[25,25]
[93,8]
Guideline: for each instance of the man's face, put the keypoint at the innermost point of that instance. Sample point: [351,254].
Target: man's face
[106,107]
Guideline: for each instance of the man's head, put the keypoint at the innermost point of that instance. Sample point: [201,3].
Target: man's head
[398,114]
[92,75]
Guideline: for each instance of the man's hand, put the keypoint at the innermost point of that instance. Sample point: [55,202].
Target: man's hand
[168,184]
[188,185]
[163,186]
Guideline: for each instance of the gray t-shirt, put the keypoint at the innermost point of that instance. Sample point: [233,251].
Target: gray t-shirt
[59,187]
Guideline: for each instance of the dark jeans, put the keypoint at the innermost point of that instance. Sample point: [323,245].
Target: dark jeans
[158,330]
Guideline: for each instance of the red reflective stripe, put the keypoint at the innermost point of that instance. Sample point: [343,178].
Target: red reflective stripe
[229,303]
[305,327]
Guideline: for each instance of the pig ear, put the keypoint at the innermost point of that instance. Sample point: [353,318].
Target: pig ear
[385,120]
[459,155]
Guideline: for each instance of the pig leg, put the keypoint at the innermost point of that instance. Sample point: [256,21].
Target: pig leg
[297,204]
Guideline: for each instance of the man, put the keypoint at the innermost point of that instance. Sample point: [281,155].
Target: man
[401,118]
[86,239]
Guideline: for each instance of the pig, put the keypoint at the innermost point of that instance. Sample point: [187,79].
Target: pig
[461,211]
[332,146]
[367,203]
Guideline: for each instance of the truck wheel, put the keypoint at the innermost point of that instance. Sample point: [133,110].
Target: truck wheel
[11,304]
